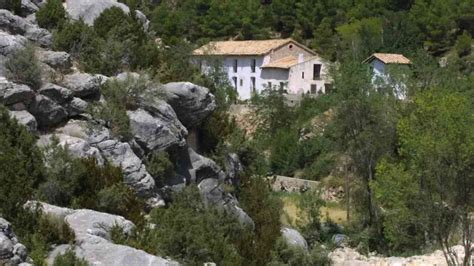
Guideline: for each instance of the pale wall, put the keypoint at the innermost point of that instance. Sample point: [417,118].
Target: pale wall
[297,84]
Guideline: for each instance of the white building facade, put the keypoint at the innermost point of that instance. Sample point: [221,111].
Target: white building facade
[253,66]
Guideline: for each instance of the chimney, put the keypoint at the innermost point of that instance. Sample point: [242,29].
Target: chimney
[300,58]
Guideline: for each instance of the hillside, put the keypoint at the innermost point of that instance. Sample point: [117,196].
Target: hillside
[115,149]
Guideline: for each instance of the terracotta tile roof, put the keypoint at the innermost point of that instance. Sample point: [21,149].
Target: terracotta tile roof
[389,58]
[286,62]
[254,47]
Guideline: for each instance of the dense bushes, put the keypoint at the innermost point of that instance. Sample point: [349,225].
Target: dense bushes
[23,67]
[81,183]
[69,259]
[159,166]
[51,15]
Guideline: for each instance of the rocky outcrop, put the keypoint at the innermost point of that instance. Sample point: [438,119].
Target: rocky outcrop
[18,25]
[348,256]
[117,153]
[89,10]
[11,251]
[12,93]
[192,103]
[56,60]
[158,130]
[28,8]
[56,93]
[83,85]
[9,44]
[76,146]
[91,229]
[293,238]
[26,119]
[47,112]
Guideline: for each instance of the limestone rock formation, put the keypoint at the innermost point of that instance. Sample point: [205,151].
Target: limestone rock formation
[12,93]
[56,93]
[11,251]
[82,85]
[56,60]
[47,112]
[18,25]
[26,119]
[11,43]
[93,241]
[192,103]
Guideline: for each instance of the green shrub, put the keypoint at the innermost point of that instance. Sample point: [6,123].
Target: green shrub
[23,67]
[283,254]
[81,183]
[159,166]
[51,15]
[74,37]
[21,166]
[109,19]
[463,44]
[12,5]
[189,231]
[69,259]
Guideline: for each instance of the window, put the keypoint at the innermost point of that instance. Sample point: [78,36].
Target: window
[234,80]
[313,88]
[252,83]
[235,66]
[269,84]
[241,82]
[253,65]
[282,85]
[302,75]
[327,88]
[316,71]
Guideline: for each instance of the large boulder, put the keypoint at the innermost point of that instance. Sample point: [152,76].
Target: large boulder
[9,44]
[76,146]
[47,112]
[26,119]
[11,251]
[192,103]
[18,25]
[158,130]
[91,229]
[56,93]
[89,10]
[293,238]
[12,93]
[28,8]
[82,85]
[76,106]
[57,60]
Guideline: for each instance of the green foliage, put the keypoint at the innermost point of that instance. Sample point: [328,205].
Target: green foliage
[265,210]
[21,166]
[12,5]
[190,232]
[69,259]
[463,44]
[81,183]
[284,254]
[23,67]
[123,95]
[159,166]
[284,152]
[51,15]
[310,205]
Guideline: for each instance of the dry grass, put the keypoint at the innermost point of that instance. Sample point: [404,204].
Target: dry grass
[292,213]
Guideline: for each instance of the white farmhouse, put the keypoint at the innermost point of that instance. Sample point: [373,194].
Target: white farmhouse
[253,66]
[380,64]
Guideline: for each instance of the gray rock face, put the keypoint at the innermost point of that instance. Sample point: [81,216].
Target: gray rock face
[293,238]
[214,194]
[28,7]
[47,112]
[234,168]
[12,93]
[157,131]
[89,10]
[26,119]
[56,93]
[76,146]
[11,43]
[92,238]
[117,153]
[57,60]
[82,85]
[192,103]
[18,25]
[76,106]
[11,251]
